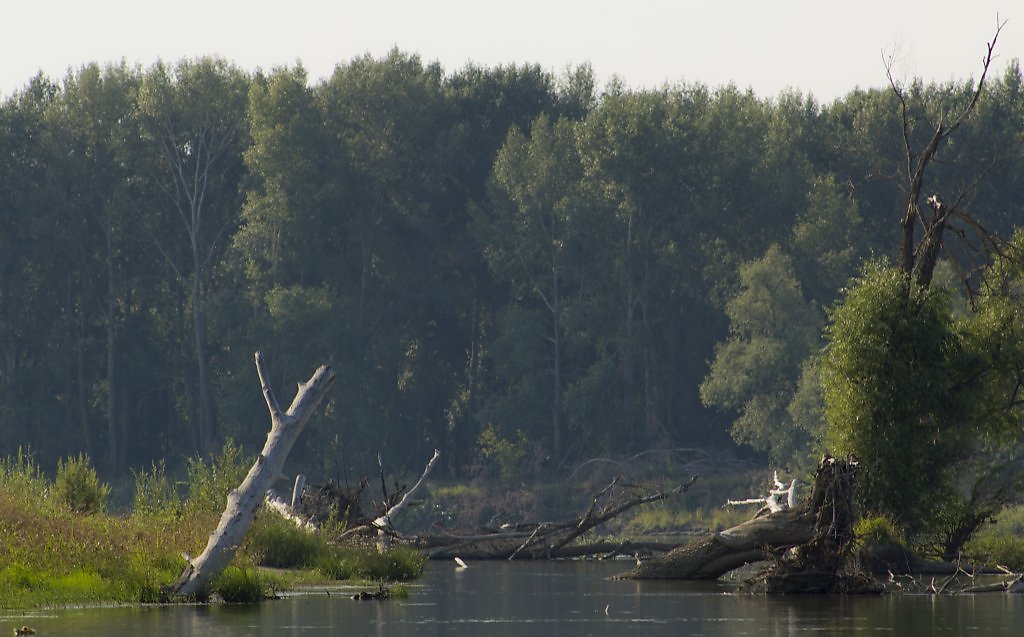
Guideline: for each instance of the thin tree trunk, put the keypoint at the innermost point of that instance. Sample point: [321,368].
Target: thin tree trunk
[556,405]
[206,416]
[83,400]
[112,434]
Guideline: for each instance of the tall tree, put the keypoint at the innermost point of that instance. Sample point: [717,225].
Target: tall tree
[96,117]
[529,234]
[918,256]
[900,376]
[30,264]
[756,371]
[194,118]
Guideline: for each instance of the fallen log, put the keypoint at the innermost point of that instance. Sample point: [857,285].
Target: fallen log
[243,502]
[546,540]
[716,554]
[821,526]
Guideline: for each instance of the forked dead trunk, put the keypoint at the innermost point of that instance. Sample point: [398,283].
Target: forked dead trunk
[243,502]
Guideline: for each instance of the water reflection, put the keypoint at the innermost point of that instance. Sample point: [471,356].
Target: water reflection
[550,598]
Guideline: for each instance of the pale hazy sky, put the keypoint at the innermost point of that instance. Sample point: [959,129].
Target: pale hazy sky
[819,47]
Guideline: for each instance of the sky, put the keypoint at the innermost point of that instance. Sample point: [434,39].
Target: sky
[817,47]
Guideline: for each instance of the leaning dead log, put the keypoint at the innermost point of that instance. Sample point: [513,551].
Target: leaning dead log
[821,526]
[547,540]
[243,502]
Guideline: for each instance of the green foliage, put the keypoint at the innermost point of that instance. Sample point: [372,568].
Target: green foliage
[890,373]
[21,478]
[667,519]
[210,482]
[926,401]
[878,530]
[756,372]
[53,555]
[507,454]
[240,585]
[485,246]
[827,241]
[154,493]
[78,486]
[1001,541]
[1002,550]
[276,542]
[396,563]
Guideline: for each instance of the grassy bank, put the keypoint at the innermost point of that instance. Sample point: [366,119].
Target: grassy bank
[60,547]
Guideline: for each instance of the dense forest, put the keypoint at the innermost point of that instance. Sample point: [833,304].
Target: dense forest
[511,266]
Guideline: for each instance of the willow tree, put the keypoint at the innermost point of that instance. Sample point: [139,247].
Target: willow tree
[756,370]
[907,387]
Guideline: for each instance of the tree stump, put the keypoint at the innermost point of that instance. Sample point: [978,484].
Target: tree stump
[810,543]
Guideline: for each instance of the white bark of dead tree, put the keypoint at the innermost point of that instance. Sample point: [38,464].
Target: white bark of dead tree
[300,486]
[383,523]
[243,502]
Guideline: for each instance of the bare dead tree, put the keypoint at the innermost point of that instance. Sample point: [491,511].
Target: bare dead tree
[919,256]
[243,502]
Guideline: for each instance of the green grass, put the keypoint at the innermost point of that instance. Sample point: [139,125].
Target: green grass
[397,563]
[241,585]
[55,554]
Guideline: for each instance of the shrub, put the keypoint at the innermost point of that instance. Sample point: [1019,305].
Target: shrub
[209,484]
[21,477]
[397,563]
[154,493]
[238,585]
[878,530]
[276,542]
[77,486]
[509,455]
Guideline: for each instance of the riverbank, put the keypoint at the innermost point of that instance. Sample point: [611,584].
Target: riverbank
[61,548]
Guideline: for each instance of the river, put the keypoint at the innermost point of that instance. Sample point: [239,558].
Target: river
[534,599]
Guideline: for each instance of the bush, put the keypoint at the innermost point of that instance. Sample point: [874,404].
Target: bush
[878,530]
[238,585]
[21,477]
[154,494]
[209,484]
[397,563]
[888,376]
[276,542]
[77,486]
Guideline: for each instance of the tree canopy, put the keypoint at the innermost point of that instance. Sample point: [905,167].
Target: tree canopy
[491,259]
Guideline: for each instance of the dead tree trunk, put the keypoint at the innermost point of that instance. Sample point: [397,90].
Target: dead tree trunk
[816,525]
[546,540]
[243,502]
[383,523]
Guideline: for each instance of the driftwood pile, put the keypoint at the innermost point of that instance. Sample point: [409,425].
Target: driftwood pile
[333,503]
[550,540]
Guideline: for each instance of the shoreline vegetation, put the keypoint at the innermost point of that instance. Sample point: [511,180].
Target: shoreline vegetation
[62,548]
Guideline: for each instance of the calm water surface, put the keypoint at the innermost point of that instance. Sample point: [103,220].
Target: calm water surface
[550,598]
